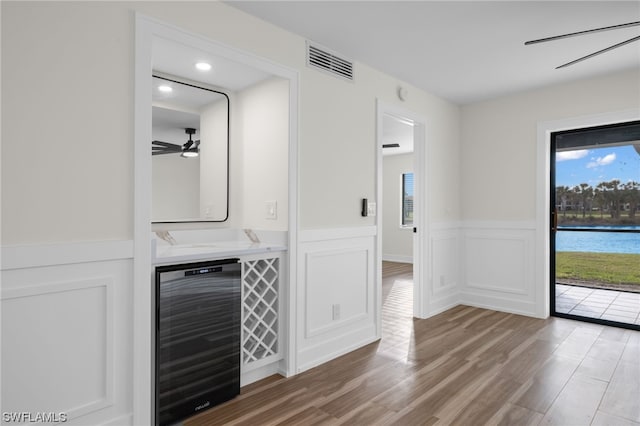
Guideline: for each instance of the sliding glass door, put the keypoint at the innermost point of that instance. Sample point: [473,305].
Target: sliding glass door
[595,233]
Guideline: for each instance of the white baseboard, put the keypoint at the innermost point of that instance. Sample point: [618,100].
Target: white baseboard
[260,373]
[397,258]
[309,361]
[443,308]
[126,420]
[508,306]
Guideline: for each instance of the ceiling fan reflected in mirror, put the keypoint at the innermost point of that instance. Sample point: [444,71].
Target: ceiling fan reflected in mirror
[594,30]
[188,150]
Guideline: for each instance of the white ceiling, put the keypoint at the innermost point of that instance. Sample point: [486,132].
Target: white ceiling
[181,107]
[176,59]
[460,50]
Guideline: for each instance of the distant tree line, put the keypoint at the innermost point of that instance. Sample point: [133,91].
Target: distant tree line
[612,198]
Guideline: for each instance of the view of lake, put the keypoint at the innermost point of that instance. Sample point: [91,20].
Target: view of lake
[599,242]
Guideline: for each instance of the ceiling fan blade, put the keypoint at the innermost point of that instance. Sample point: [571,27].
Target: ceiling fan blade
[167,144]
[164,152]
[578,33]
[599,52]
[167,147]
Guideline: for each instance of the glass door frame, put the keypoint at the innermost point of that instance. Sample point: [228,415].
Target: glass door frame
[553,229]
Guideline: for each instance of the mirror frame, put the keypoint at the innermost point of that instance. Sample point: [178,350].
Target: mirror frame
[203,86]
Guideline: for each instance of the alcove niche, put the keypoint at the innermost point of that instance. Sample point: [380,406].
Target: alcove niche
[247,167]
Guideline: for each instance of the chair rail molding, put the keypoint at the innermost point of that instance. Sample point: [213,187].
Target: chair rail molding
[39,255]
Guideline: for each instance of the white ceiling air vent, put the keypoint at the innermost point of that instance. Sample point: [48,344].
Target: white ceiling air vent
[327,61]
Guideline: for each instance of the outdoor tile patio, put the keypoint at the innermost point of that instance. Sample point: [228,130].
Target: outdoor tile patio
[596,303]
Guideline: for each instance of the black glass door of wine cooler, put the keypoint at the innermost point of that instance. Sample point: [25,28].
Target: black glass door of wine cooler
[197,337]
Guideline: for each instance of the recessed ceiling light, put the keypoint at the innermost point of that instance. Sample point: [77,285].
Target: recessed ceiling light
[203,66]
[165,89]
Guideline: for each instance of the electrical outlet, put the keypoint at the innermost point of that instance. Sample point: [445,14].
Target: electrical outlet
[336,312]
[442,281]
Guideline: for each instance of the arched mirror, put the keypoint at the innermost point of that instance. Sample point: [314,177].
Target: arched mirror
[190,152]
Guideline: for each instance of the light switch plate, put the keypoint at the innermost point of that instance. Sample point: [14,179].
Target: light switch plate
[271,209]
[208,211]
[371,208]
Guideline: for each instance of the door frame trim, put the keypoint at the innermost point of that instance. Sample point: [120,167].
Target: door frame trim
[543,188]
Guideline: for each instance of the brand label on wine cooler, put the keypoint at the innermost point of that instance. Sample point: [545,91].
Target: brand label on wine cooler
[201,406]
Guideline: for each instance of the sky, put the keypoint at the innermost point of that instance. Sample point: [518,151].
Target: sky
[597,165]
[408,183]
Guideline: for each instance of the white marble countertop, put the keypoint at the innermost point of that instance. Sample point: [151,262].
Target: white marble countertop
[183,253]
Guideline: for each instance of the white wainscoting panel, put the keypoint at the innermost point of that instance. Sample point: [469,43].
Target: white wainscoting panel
[497,263]
[39,357]
[67,336]
[336,272]
[339,278]
[444,269]
[499,267]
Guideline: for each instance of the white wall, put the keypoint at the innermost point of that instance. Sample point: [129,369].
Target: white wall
[263,114]
[77,186]
[93,43]
[397,242]
[499,181]
[77,183]
[499,141]
[214,143]
[67,77]
[176,181]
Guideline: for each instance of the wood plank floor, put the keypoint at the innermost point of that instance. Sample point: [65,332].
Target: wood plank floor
[466,366]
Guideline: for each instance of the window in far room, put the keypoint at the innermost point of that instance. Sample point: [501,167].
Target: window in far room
[407,199]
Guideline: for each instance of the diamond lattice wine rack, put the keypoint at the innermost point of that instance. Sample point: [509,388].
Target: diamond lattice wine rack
[260,309]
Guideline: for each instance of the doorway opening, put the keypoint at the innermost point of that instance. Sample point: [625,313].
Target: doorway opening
[399,198]
[397,309]
[595,224]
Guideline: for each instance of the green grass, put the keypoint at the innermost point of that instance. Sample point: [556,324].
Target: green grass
[610,268]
